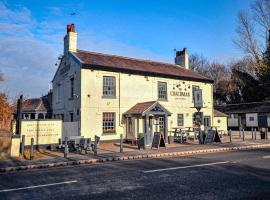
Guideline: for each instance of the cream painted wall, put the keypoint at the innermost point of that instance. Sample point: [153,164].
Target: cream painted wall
[65,104]
[221,123]
[134,89]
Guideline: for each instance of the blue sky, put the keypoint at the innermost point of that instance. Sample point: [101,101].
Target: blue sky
[31,33]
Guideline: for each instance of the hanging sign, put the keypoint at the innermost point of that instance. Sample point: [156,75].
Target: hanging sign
[198,103]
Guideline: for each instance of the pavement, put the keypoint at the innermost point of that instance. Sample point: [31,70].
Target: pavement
[236,175]
[48,159]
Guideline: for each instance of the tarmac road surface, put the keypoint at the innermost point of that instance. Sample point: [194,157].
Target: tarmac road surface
[232,175]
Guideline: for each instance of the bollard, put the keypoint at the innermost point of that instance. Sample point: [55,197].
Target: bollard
[66,148]
[230,134]
[239,132]
[121,143]
[266,136]
[243,132]
[32,149]
[255,132]
[95,146]
[23,145]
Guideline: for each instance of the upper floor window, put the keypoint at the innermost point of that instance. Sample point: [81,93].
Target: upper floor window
[162,90]
[71,88]
[109,86]
[71,117]
[58,93]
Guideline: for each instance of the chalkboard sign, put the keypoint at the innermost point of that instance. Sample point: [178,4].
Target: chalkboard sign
[209,137]
[217,138]
[158,140]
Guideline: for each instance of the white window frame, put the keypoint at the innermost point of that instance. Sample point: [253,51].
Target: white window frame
[109,87]
[162,91]
[108,122]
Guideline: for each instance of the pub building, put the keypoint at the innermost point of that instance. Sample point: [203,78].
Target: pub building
[109,95]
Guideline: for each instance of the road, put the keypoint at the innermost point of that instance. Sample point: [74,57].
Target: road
[231,175]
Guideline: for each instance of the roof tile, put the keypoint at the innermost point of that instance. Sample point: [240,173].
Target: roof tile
[112,62]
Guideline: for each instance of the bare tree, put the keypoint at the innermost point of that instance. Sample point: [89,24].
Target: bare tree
[261,14]
[247,37]
[246,65]
[198,62]
[213,70]
[253,29]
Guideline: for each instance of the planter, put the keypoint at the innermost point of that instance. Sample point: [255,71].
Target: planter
[140,143]
[170,139]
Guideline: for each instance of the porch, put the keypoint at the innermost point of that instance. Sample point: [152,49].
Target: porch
[144,119]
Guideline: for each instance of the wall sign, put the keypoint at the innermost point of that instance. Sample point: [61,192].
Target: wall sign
[181,89]
[43,131]
[180,94]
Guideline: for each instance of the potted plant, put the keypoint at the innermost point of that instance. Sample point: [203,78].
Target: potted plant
[140,140]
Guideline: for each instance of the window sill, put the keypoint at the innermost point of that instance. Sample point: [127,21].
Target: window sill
[109,133]
[108,97]
[162,99]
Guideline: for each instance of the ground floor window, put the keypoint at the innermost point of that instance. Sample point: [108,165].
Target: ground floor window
[206,121]
[108,121]
[180,119]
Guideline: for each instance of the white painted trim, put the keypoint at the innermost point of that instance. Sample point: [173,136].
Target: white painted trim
[38,186]
[185,167]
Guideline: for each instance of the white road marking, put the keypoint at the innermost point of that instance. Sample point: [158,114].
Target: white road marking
[38,186]
[266,157]
[185,167]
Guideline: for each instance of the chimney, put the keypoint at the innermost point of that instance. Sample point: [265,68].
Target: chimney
[181,58]
[70,40]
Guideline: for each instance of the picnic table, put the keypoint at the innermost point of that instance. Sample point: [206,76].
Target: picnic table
[180,134]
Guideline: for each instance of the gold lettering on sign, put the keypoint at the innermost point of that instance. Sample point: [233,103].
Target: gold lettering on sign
[180,94]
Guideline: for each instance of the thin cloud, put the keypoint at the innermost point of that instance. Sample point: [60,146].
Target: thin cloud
[29,49]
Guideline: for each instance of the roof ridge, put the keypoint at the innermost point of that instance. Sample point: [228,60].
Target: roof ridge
[247,103]
[39,105]
[131,58]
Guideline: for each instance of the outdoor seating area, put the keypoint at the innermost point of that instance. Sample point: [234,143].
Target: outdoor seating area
[186,134]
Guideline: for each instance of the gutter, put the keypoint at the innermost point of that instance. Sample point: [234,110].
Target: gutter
[144,73]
